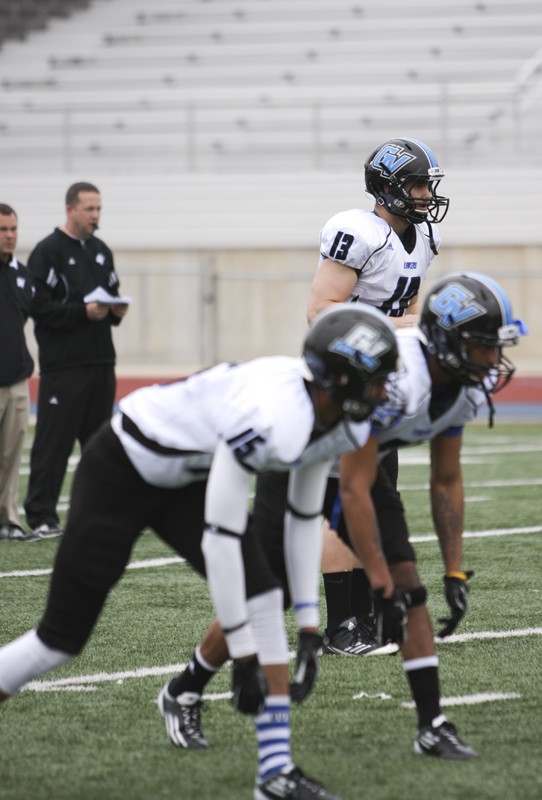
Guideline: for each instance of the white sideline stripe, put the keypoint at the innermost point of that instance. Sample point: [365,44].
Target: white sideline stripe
[472,699]
[479,635]
[146,564]
[165,562]
[430,537]
[145,672]
[491,484]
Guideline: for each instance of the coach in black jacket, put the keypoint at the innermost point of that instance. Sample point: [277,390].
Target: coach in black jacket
[75,348]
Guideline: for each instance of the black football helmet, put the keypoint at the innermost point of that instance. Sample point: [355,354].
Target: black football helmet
[347,347]
[397,162]
[466,307]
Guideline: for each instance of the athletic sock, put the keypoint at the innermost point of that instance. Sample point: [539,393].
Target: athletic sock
[422,674]
[337,587]
[360,593]
[195,677]
[273,737]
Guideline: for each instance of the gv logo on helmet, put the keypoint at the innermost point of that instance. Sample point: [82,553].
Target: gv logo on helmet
[455,305]
[391,158]
[361,345]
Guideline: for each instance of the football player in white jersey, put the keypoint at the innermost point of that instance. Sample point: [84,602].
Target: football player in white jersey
[378,257]
[179,459]
[453,365]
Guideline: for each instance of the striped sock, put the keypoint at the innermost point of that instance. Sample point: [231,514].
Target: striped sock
[273,737]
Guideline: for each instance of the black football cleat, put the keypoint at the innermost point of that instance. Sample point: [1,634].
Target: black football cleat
[182,716]
[441,740]
[292,785]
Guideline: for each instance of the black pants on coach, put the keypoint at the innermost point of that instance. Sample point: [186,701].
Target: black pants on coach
[72,404]
[110,506]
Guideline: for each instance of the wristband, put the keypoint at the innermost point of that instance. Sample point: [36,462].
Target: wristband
[463,576]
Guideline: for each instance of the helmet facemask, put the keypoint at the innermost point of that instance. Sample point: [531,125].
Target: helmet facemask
[393,196]
[452,351]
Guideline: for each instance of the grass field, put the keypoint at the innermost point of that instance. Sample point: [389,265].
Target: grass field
[91,731]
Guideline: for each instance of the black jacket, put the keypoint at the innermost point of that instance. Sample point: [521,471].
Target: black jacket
[64,271]
[16,298]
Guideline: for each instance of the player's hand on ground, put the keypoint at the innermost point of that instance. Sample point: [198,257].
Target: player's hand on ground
[306,665]
[391,617]
[248,685]
[456,592]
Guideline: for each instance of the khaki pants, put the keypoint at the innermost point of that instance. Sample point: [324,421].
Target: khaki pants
[14,404]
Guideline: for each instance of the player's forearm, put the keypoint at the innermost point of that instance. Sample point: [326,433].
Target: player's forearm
[447,505]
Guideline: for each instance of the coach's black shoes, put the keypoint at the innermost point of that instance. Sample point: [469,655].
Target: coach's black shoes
[292,785]
[352,638]
[48,530]
[441,740]
[182,716]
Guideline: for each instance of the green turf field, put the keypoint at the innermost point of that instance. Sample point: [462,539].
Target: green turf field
[100,736]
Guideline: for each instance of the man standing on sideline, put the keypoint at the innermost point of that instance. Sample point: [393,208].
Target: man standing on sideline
[75,349]
[16,366]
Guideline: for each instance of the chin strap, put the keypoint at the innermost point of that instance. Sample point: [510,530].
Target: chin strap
[432,244]
[490,405]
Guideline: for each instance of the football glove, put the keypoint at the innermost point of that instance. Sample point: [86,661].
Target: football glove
[391,617]
[249,686]
[456,590]
[306,665]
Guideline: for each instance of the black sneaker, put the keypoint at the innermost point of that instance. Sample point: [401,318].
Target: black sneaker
[14,533]
[442,740]
[292,785]
[352,638]
[48,531]
[182,715]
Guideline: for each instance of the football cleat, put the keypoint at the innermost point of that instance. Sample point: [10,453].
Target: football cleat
[353,638]
[441,740]
[292,785]
[182,716]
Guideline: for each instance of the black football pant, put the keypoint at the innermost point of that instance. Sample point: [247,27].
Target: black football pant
[110,506]
[72,404]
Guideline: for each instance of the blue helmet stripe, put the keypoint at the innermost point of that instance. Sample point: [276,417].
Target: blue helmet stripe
[429,153]
[501,297]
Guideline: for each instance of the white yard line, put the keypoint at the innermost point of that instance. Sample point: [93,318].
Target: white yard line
[472,699]
[90,682]
[489,484]
[430,537]
[151,563]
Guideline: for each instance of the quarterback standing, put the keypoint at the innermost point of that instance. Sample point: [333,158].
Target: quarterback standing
[379,257]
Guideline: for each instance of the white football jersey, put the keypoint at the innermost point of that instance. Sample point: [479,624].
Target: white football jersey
[417,412]
[388,275]
[260,408]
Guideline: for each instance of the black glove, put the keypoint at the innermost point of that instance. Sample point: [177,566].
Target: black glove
[306,665]
[249,686]
[456,591]
[391,617]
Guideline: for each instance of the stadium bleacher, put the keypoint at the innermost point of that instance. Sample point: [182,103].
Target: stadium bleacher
[223,133]
[267,84]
